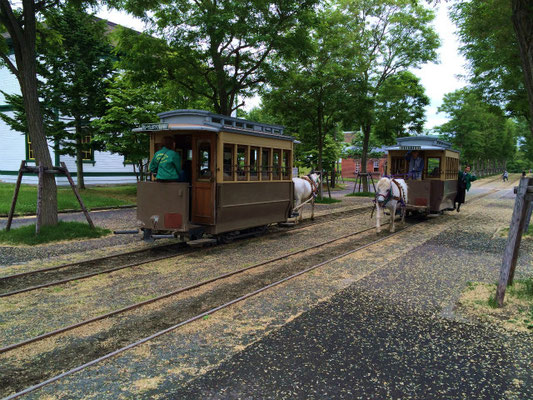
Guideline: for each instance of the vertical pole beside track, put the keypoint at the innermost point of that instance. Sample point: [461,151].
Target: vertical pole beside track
[15,196]
[510,254]
[39,199]
[76,193]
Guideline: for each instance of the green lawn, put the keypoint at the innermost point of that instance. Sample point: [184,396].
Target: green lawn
[63,231]
[93,197]
[326,200]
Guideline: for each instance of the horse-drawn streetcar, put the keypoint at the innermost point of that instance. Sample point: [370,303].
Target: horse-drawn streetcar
[433,188]
[237,177]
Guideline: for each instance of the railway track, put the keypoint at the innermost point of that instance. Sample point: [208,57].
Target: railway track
[47,277]
[205,298]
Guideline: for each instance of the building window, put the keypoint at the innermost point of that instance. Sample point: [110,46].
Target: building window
[30,155]
[357,167]
[376,166]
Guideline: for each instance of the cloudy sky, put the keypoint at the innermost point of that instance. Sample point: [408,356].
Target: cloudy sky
[438,79]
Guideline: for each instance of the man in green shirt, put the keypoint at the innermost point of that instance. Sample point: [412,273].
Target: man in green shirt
[166,163]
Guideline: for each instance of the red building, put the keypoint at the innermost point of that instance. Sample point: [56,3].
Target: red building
[351,166]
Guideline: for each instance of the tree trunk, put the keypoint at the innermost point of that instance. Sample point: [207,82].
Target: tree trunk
[320,150]
[364,154]
[80,182]
[523,26]
[38,140]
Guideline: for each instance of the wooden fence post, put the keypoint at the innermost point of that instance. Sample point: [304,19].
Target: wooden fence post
[39,199]
[73,186]
[15,196]
[510,254]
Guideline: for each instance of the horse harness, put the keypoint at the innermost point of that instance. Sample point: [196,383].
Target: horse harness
[314,186]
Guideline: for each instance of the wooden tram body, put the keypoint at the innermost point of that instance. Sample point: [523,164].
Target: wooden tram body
[437,188]
[239,176]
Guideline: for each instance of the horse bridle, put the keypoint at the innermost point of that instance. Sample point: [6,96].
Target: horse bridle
[389,196]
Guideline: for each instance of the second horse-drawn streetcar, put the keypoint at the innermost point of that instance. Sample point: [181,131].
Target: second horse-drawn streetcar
[436,187]
[238,177]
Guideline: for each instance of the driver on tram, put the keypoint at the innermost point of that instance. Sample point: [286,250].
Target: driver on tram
[416,164]
[166,163]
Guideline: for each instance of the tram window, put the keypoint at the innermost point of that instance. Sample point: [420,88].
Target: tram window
[433,169]
[276,164]
[204,161]
[241,162]
[189,154]
[286,164]
[254,163]
[265,164]
[228,162]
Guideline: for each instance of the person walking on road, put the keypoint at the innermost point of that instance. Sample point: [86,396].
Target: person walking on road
[464,181]
[505,176]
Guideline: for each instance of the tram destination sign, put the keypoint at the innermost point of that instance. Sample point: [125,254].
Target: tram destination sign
[410,147]
[154,127]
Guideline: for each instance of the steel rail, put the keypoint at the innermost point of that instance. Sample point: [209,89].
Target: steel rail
[359,210]
[199,316]
[175,292]
[218,308]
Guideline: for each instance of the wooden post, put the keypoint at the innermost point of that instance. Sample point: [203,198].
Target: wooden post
[39,199]
[15,196]
[73,186]
[528,216]
[510,254]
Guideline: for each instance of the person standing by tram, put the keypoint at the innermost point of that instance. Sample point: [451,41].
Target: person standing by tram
[166,163]
[464,181]
[416,164]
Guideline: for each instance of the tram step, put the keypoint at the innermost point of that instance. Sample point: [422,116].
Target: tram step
[202,242]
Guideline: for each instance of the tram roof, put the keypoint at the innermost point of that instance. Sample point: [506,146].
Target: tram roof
[421,143]
[200,120]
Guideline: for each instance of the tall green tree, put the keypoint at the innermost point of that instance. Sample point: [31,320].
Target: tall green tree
[481,131]
[400,108]
[21,25]
[497,37]
[218,49]
[75,69]
[310,94]
[391,36]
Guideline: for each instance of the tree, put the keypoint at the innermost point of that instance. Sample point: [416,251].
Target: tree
[481,131]
[497,37]
[390,36]
[21,26]
[215,49]
[75,69]
[310,94]
[400,108]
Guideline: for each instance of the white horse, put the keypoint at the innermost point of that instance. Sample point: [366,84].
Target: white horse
[389,194]
[305,190]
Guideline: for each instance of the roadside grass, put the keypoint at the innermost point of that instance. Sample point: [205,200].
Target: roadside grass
[93,197]
[326,200]
[479,301]
[25,235]
[529,234]
[361,194]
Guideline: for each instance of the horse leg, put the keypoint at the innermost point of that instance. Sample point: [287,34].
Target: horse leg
[392,217]
[312,209]
[378,222]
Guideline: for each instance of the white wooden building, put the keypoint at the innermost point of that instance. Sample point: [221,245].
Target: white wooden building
[100,167]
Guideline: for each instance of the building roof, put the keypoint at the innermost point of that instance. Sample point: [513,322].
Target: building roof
[200,120]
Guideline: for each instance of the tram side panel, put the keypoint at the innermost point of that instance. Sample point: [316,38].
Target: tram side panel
[163,206]
[252,204]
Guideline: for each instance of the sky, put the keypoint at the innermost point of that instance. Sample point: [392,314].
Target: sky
[438,78]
